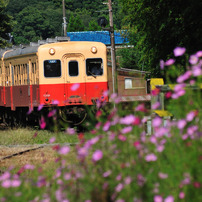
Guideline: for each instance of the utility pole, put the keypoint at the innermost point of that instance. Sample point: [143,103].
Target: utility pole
[113,55]
[64,19]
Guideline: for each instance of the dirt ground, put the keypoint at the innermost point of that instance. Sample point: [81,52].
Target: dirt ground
[35,157]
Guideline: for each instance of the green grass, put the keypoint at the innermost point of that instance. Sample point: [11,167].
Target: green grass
[24,136]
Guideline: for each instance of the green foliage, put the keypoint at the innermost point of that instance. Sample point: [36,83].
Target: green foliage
[5,24]
[157,27]
[40,19]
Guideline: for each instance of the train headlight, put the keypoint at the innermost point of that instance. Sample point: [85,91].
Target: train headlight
[94,49]
[51,51]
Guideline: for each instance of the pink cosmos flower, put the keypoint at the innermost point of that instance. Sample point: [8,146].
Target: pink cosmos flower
[153,139]
[30,111]
[197,71]
[15,183]
[140,180]
[162,64]
[156,122]
[70,131]
[106,126]
[193,59]
[199,54]
[122,138]
[42,123]
[64,150]
[6,183]
[119,177]
[192,129]
[150,157]
[119,187]
[55,102]
[158,198]
[155,92]
[128,180]
[190,116]
[179,51]
[168,94]
[107,173]
[29,167]
[5,176]
[163,175]
[75,87]
[160,148]
[170,62]
[169,199]
[52,113]
[67,176]
[156,105]
[181,195]
[141,108]
[126,130]
[97,155]
[120,200]
[52,139]
[136,144]
[184,77]
[185,136]
[181,123]
[40,107]
[127,120]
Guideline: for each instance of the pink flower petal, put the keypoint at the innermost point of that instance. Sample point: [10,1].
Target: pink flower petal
[126,130]
[55,102]
[42,123]
[179,51]
[162,63]
[193,59]
[199,54]
[181,124]
[64,150]
[40,107]
[97,155]
[52,139]
[75,87]
[158,198]
[170,62]
[6,183]
[163,175]
[190,116]
[150,157]
[156,122]
[181,195]
[169,199]
[197,71]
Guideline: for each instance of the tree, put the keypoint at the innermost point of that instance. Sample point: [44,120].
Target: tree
[157,27]
[75,24]
[34,24]
[5,24]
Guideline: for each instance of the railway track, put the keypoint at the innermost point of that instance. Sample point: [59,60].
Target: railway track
[30,148]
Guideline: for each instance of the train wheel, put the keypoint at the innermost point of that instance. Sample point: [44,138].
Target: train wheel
[73,115]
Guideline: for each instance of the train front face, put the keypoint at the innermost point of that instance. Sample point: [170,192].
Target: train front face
[72,73]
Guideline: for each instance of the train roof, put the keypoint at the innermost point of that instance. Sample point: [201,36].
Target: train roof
[29,49]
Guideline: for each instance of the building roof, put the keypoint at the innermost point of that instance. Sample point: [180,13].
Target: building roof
[100,36]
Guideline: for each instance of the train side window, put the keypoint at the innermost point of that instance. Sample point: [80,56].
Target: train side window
[128,83]
[73,68]
[52,68]
[94,67]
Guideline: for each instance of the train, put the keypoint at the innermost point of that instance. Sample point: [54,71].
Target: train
[69,74]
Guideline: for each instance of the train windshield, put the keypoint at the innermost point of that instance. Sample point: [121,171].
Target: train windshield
[52,68]
[94,67]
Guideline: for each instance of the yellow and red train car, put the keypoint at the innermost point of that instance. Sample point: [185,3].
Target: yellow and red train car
[69,74]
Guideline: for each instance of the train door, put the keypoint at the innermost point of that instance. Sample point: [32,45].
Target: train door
[75,79]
